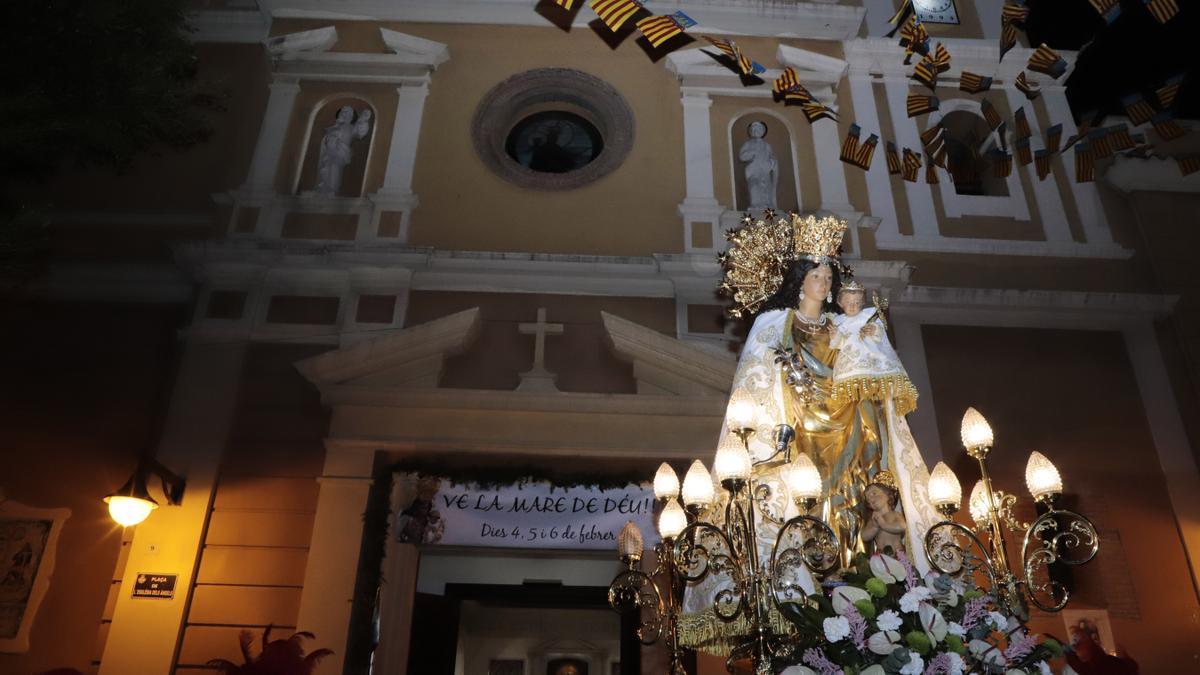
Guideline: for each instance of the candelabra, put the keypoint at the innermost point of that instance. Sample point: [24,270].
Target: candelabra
[1057,536]
[715,536]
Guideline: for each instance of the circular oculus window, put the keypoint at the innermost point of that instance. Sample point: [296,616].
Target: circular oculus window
[552,129]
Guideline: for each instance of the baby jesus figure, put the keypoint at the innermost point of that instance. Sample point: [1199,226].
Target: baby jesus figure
[867,367]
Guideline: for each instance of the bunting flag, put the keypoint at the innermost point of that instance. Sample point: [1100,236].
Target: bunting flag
[850,145]
[926,73]
[1031,92]
[914,38]
[1024,152]
[798,95]
[1022,124]
[866,153]
[786,82]
[1053,138]
[931,176]
[745,65]
[932,138]
[1162,10]
[1188,164]
[1166,94]
[1084,164]
[1014,13]
[974,84]
[1138,110]
[659,29]
[814,110]
[920,104]
[1041,163]
[1118,137]
[1109,9]
[1166,127]
[1002,163]
[893,158]
[1099,143]
[938,156]
[898,19]
[1008,38]
[1047,61]
[912,164]
[990,114]
[614,13]
[565,4]
[1002,135]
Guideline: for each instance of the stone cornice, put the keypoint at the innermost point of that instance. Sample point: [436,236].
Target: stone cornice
[1130,174]
[664,364]
[882,56]
[1031,309]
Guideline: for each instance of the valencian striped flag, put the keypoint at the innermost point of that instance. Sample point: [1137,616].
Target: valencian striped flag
[798,95]
[745,65]
[1188,164]
[919,104]
[1001,163]
[1014,13]
[1031,92]
[914,38]
[1099,143]
[815,110]
[565,4]
[866,153]
[1119,138]
[614,13]
[786,81]
[933,139]
[659,29]
[1085,165]
[912,164]
[1166,94]
[931,176]
[1138,110]
[1046,60]
[1024,153]
[972,83]
[850,145]
[990,114]
[1109,9]
[1162,10]
[1041,162]
[1022,124]
[1054,138]
[1008,37]
[926,73]
[893,158]
[1166,127]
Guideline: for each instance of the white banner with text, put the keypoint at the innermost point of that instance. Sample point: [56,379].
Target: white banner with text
[530,515]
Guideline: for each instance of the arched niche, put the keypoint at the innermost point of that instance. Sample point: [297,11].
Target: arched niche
[967,140]
[324,116]
[779,138]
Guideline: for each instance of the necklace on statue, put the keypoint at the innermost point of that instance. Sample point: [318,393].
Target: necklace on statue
[811,325]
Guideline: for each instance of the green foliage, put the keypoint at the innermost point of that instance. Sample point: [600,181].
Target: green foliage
[866,608]
[919,642]
[955,644]
[1053,646]
[876,587]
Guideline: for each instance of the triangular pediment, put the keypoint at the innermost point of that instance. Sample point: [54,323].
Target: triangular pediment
[411,358]
[665,365]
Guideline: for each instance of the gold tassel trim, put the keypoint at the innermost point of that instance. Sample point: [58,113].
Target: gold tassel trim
[897,387]
[705,631]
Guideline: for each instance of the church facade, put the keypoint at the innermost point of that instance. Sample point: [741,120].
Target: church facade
[475,238]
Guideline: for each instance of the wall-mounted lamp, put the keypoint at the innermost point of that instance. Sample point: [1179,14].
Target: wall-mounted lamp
[132,503]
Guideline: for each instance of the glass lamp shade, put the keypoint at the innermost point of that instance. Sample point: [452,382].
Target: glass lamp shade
[629,543]
[803,479]
[732,461]
[944,487]
[1042,477]
[978,503]
[672,520]
[666,483]
[976,432]
[128,511]
[741,411]
[698,486]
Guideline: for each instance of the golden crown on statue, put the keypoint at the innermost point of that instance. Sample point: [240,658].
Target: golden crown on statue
[761,250]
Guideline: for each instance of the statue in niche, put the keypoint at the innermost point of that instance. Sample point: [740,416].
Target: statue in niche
[335,148]
[762,169]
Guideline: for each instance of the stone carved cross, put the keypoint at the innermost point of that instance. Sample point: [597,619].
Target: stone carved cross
[538,378]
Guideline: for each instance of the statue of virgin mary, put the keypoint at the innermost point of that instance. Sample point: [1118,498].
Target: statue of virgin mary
[786,273]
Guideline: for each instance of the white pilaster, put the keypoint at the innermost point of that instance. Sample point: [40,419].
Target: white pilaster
[831,174]
[910,345]
[265,163]
[145,633]
[396,193]
[879,186]
[1170,438]
[920,197]
[1045,192]
[1087,196]
[332,565]
[700,204]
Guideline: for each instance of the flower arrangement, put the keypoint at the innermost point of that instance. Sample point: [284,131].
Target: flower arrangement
[882,619]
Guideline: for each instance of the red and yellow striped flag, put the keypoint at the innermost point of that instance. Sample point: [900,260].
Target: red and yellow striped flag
[1166,127]
[850,145]
[565,4]
[1188,164]
[1046,60]
[1054,138]
[1109,9]
[1085,165]
[1119,138]
[1041,162]
[745,65]
[1024,152]
[1166,94]
[920,104]
[786,82]
[1031,92]
[815,110]
[614,13]
[1002,163]
[1013,13]
[990,114]
[893,158]
[1008,38]
[1021,125]
[866,153]
[1162,10]
[1138,110]
[659,29]
[912,164]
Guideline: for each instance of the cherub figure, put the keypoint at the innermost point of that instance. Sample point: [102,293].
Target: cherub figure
[885,526]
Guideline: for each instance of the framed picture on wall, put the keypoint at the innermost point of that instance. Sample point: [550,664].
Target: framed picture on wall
[1093,621]
[28,541]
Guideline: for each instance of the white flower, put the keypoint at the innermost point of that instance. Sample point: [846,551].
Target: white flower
[888,620]
[957,665]
[956,629]
[915,665]
[911,601]
[998,620]
[836,628]
[1043,668]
